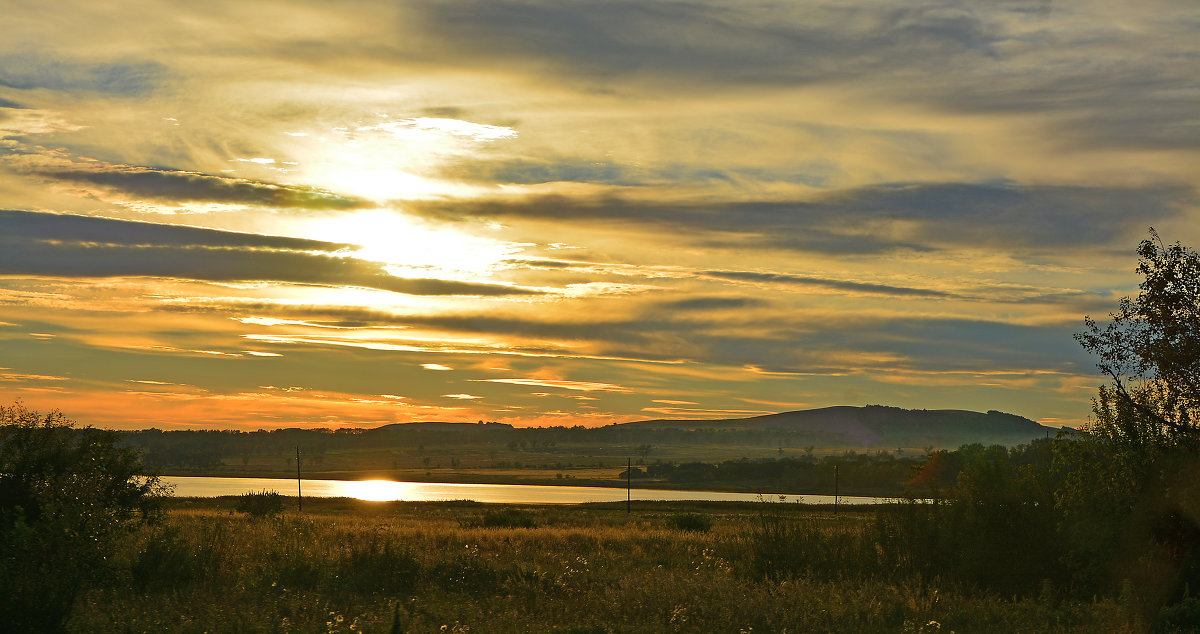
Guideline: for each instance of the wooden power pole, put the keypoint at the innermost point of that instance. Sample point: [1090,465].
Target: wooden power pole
[835,490]
[299,493]
[628,486]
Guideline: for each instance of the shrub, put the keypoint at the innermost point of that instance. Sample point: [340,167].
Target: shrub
[170,559]
[66,496]
[503,518]
[694,522]
[293,558]
[378,565]
[1180,617]
[261,504]
[788,548]
[466,573]
[166,562]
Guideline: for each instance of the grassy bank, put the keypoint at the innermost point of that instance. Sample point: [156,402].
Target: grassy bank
[345,565]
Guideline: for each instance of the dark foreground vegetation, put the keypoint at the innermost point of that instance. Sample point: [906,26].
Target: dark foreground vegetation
[999,553]
[421,567]
[1096,531]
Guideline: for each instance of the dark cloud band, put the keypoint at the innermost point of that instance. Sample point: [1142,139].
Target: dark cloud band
[179,186]
[840,285]
[31,225]
[32,70]
[75,246]
[936,215]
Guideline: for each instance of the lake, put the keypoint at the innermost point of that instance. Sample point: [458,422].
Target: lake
[387,490]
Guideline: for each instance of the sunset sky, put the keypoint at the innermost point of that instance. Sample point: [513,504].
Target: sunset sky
[260,214]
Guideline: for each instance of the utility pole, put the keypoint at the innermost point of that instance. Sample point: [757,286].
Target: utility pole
[835,490]
[628,486]
[299,493]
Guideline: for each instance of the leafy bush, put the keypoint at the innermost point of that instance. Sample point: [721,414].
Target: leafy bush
[66,497]
[1180,617]
[694,522]
[788,548]
[466,573]
[261,504]
[169,559]
[379,565]
[293,557]
[504,518]
[166,562]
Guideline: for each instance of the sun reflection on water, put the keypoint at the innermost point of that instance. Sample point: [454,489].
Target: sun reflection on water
[375,490]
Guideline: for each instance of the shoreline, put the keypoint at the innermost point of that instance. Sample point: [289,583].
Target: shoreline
[765,489]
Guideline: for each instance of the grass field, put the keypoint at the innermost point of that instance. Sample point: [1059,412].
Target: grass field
[348,566]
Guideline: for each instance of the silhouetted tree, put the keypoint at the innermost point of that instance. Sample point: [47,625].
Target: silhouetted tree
[66,496]
[1151,347]
[1128,488]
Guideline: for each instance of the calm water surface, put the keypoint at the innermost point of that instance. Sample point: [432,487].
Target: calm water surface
[387,490]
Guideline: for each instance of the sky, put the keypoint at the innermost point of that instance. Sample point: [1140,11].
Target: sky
[270,214]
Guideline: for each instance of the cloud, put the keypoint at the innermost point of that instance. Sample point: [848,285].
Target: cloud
[1111,76]
[1002,214]
[622,339]
[580,386]
[442,347]
[31,70]
[680,412]
[223,265]
[75,246]
[752,43]
[839,285]
[629,331]
[713,303]
[546,264]
[946,344]
[829,343]
[21,378]
[31,225]
[872,219]
[181,186]
[527,171]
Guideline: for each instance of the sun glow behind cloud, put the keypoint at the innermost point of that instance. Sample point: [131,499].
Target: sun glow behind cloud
[801,205]
[390,160]
[411,247]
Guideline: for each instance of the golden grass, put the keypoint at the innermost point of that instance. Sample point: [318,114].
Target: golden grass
[581,569]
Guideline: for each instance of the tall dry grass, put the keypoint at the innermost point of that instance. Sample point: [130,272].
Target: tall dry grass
[438,568]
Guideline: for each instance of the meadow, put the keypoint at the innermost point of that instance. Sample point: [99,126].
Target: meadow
[351,566]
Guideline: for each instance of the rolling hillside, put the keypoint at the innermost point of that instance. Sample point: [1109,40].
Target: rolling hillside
[877,426]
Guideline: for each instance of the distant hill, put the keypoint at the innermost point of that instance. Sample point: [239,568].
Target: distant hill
[876,426]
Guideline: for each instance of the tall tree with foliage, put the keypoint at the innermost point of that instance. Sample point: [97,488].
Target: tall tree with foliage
[67,495]
[1129,498]
[1150,348]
